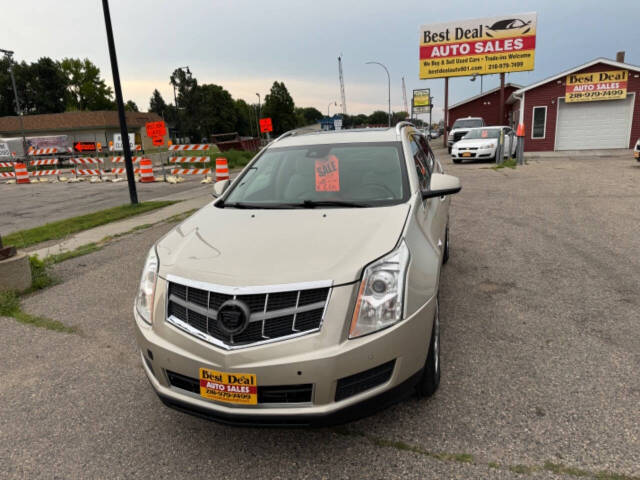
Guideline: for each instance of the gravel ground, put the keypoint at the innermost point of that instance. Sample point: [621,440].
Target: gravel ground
[540,340]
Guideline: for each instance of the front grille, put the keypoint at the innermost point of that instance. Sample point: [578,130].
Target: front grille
[266,394]
[272,315]
[354,384]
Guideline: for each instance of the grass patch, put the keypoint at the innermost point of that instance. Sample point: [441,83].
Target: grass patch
[236,158]
[40,274]
[63,228]
[509,163]
[522,469]
[560,469]
[81,250]
[10,307]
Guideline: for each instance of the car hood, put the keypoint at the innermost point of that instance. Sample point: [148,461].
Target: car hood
[476,142]
[238,247]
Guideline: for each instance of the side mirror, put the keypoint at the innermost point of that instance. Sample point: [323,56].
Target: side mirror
[448,128]
[220,187]
[441,185]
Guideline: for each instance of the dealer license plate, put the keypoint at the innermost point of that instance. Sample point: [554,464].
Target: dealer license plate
[466,154]
[636,154]
[229,387]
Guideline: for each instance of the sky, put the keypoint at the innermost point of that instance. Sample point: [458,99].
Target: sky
[245,46]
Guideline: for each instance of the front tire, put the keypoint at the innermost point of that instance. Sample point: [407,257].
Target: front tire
[431,374]
[456,160]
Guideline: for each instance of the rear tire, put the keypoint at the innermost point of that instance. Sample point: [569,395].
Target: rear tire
[431,374]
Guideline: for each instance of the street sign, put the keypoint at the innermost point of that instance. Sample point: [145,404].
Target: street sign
[84,146]
[337,124]
[482,46]
[117,141]
[157,141]
[265,125]
[5,151]
[156,129]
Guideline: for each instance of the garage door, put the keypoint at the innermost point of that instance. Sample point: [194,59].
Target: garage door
[587,125]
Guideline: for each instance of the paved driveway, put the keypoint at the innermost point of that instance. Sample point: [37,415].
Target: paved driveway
[541,345]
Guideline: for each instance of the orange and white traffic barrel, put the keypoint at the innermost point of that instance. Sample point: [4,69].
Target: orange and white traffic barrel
[22,176]
[146,171]
[222,169]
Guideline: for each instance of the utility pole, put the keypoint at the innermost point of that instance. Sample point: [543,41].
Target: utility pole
[446,111]
[342,95]
[404,96]
[502,122]
[118,91]
[9,55]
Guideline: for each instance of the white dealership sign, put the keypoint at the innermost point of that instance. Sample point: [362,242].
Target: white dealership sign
[117,141]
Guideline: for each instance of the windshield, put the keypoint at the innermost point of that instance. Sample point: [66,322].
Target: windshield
[468,123]
[483,133]
[340,175]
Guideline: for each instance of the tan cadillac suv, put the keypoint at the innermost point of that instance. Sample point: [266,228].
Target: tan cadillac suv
[307,292]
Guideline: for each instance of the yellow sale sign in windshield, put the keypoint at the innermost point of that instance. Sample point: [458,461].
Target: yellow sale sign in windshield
[588,87]
[482,46]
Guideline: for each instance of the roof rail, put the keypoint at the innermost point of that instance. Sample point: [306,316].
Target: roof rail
[400,125]
[285,135]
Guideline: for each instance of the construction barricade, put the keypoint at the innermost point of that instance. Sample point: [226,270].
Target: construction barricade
[82,172]
[190,161]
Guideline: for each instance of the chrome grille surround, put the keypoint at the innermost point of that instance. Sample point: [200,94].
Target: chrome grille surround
[275,317]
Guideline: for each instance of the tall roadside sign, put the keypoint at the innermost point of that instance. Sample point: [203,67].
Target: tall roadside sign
[482,46]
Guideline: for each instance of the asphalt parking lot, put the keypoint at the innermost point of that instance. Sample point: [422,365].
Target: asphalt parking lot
[25,206]
[540,354]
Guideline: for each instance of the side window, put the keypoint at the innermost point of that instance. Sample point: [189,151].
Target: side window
[539,122]
[429,154]
[420,161]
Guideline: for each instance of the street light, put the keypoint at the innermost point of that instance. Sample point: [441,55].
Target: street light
[9,55]
[258,113]
[388,85]
[473,79]
[329,106]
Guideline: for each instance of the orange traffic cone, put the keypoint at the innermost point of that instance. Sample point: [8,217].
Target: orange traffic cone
[222,169]
[22,176]
[146,171]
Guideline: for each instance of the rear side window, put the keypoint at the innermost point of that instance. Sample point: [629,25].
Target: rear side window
[420,160]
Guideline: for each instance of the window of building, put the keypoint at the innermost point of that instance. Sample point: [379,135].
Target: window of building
[539,122]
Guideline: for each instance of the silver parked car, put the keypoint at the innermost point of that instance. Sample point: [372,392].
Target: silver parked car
[307,293]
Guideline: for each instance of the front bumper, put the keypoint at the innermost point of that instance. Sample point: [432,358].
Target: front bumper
[319,359]
[484,153]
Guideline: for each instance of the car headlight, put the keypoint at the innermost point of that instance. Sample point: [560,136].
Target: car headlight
[147,289]
[380,301]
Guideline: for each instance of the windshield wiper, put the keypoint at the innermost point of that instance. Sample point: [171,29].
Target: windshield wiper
[331,203]
[264,206]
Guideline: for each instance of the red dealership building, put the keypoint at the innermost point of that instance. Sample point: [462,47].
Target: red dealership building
[592,106]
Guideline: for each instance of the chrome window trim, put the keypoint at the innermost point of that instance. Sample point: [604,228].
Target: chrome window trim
[228,290]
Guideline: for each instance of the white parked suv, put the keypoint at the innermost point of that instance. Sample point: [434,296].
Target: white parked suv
[636,150]
[307,293]
[482,143]
[461,127]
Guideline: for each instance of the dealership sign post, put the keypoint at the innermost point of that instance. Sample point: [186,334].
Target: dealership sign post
[482,46]
[589,87]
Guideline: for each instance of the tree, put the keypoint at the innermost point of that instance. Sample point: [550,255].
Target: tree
[310,115]
[245,118]
[279,105]
[157,103]
[7,102]
[44,87]
[85,89]
[131,106]
[379,117]
[398,117]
